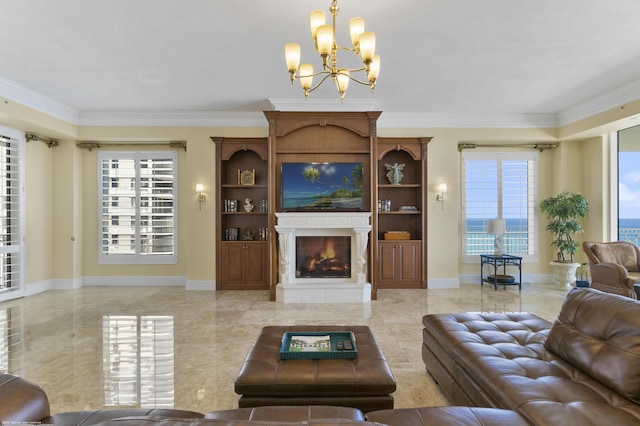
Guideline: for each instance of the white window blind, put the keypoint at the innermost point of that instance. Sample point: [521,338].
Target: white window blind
[138,207]
[503,186]
[11,175]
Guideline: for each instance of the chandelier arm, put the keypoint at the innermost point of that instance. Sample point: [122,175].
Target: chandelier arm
[320,82]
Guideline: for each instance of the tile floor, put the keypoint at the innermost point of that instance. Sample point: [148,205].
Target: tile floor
[166,347]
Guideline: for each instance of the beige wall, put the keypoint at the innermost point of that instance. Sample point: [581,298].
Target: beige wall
[62,230]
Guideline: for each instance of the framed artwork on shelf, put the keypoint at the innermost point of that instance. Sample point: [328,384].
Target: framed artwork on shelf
[246,177]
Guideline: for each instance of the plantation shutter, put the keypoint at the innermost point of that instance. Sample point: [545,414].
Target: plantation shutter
[138,207]
[10,214]
[499,185]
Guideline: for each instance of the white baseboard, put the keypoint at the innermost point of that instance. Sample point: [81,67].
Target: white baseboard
[443,283]
[200,285]
[134,281]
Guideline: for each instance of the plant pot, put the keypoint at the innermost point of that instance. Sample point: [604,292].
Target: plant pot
[564,273]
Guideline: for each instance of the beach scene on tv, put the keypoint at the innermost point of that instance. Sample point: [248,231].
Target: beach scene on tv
[322,186]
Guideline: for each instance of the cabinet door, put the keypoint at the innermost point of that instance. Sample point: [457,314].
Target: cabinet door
[232,266]
[410,261]
[387,264]
[255,263]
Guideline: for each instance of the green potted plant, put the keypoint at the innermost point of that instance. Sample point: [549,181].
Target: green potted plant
[563,212]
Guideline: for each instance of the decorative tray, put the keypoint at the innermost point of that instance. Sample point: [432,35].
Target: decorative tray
[318,345]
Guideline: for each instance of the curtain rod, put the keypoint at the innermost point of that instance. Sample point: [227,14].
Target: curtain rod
[96,145]
[33,137]
[539,146]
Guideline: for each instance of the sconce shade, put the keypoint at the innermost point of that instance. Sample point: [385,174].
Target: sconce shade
[199,187]
[496,227]
[442,188]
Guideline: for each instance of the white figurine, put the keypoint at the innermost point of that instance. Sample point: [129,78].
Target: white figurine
[248,205]
[395,175]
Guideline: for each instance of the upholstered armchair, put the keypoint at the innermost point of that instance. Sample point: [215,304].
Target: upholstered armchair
[614,266]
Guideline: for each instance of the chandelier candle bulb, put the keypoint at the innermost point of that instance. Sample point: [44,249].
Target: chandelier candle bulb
[367,45]
[356,28]
[292,58]
[317,18]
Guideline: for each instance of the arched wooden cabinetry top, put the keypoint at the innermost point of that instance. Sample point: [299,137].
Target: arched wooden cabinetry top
[283,123]
[416,147]
[229,146]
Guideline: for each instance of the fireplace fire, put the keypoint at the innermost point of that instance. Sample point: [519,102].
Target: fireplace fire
[323,257]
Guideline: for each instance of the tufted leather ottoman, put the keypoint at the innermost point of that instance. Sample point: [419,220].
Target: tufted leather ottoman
[365,383]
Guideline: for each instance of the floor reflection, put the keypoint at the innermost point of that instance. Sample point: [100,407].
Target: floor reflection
[138,361]
[100,347]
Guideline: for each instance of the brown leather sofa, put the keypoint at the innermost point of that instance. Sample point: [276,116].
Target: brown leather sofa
[614,266]
[582,369]
[22,401]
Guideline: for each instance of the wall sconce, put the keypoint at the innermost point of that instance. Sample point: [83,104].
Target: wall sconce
[202,197]
[497,227]
[442,189]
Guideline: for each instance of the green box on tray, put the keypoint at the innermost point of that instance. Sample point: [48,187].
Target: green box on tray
[317,345]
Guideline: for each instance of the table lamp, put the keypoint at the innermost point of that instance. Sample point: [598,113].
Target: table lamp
[497,228]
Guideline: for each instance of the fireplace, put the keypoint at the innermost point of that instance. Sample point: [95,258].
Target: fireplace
[322,257]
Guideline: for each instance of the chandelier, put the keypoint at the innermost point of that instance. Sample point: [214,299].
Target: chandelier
[324,37]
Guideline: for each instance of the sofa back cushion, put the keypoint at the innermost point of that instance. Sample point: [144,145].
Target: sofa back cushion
[622,253]
[599,333]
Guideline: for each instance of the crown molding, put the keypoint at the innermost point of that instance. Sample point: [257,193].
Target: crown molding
[612,99]
[173,118]
[17,93]
[392,120]
[317,105]
[32,99]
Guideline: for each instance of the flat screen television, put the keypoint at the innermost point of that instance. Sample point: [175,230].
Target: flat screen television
[322,186]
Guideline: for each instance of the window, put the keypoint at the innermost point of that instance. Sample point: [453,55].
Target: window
[628,192]
[499,185]
[138,207]
[11,213]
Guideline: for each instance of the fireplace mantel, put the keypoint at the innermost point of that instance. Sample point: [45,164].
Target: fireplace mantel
[291,289]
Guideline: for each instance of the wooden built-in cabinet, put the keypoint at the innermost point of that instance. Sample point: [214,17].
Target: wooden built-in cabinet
[401,208]
[242,240]
[252,262]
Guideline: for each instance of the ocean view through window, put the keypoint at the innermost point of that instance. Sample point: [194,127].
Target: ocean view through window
[499,185]
[629,185]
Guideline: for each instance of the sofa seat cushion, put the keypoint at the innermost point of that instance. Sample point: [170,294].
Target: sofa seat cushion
[438,416]
[621,253]
[162,421]
[93,417]
[288,413]
[603,343]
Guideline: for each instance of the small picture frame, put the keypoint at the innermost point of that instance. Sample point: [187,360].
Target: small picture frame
[246,177]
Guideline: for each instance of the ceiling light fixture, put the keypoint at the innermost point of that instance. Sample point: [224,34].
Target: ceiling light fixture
[324,37]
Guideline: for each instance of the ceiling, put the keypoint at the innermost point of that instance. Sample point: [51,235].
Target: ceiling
[444,62]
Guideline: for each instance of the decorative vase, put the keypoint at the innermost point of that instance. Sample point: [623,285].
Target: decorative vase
[564,272]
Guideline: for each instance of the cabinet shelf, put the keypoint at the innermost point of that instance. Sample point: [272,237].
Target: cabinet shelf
[396,212]
[402,185]
[235,185]
[243,213]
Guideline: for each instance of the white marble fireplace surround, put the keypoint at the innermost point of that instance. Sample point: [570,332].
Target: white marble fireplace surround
[323,290]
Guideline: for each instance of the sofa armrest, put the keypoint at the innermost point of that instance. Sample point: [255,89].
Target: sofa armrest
[22,401]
